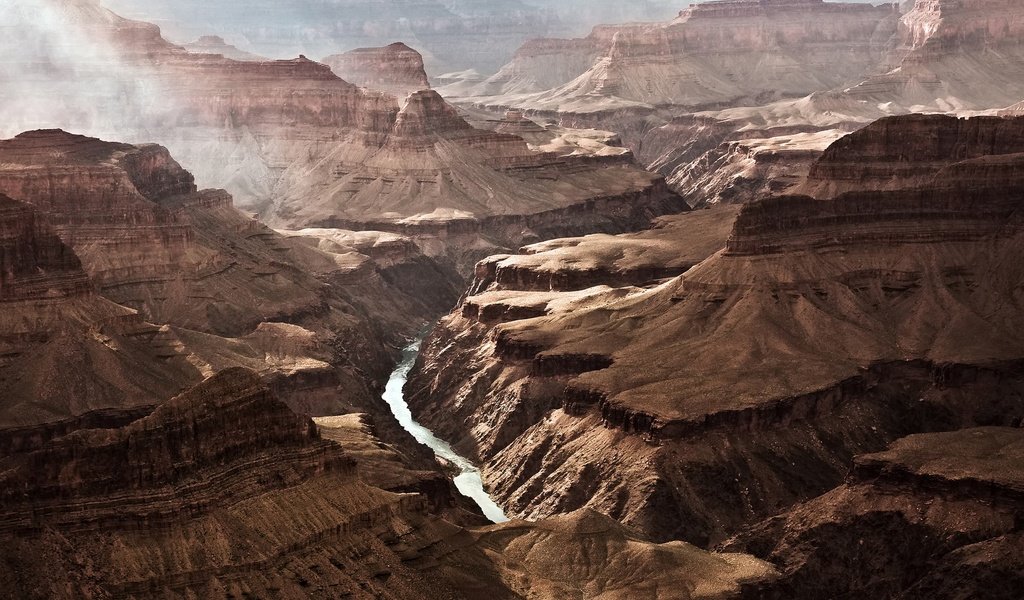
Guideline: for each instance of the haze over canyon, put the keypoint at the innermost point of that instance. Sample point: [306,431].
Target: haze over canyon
[417,299]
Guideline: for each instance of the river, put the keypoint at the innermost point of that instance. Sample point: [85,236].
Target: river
[468,481]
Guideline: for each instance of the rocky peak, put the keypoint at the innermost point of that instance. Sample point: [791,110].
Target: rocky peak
[426,112]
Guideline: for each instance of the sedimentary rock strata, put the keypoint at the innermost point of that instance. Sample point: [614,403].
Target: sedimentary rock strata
[825,328]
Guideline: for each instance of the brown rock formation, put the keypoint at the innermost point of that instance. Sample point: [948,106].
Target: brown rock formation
[827,328]
[875,158]
[396,69]
[65,351]
[436,177]
[935,516]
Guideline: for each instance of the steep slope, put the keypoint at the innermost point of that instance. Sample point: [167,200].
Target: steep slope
[824,329]
[437,175]
[934,516]
[53,318]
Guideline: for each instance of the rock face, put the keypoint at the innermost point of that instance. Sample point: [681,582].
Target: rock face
[874,158]
[934,516]
[35,264]
[396,69]
[826,328]
[52,318]
[117,510]
[714,53]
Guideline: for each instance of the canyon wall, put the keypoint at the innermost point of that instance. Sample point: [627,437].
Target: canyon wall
[822,329]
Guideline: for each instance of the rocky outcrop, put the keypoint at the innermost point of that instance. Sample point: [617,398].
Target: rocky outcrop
[934,516]
[826,328]
[396,69]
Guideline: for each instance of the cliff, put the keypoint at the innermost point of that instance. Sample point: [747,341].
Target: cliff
[223,488]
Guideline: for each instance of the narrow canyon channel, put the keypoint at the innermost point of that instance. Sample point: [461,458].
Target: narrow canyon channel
[468,481]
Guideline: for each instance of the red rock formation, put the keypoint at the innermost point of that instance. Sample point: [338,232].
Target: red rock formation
[396,69]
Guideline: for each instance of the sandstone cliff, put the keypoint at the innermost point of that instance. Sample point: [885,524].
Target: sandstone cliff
[714,53]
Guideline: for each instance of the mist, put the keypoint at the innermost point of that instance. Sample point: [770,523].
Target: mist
[57,73]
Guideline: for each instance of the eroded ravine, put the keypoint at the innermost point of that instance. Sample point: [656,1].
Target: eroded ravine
[468,481]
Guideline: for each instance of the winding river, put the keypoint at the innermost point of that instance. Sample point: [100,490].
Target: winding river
[468,481]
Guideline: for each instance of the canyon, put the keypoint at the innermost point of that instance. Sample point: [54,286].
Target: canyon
[736,299]
[798,333]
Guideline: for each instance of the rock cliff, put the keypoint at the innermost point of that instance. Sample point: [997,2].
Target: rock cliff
[223,283]
[712,54]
